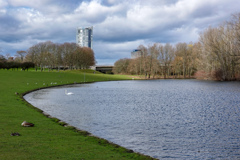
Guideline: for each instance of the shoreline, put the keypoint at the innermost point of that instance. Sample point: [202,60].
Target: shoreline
[73,128]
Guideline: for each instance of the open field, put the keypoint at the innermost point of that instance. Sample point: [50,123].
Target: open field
[48,139]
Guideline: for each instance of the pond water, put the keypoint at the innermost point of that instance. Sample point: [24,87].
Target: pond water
[166,119]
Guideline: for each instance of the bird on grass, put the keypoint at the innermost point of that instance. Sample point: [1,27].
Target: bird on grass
[27,124]
[15,134]
[68,93]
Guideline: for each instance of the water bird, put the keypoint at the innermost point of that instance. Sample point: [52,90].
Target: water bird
[27,124]
[68,93]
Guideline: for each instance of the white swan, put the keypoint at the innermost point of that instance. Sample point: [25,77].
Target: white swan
[68,93]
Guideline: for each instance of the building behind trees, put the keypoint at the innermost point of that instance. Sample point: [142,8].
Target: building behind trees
[84,37]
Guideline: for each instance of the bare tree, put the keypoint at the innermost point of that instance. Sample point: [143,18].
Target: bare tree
[152,54]
[166,54]
[134,66]
[143,52]
[68,50]
[7,56]
[121,66]
[2,58]
[218,46]
[235,27]
[21,54]
[182,51]
[89,57]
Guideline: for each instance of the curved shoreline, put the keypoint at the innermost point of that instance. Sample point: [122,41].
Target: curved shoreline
[73,128]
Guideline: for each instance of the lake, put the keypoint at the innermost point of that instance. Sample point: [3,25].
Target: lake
[166,119]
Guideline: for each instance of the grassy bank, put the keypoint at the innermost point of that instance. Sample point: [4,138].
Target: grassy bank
[47,139]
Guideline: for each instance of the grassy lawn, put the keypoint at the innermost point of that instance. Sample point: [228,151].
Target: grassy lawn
[48,139]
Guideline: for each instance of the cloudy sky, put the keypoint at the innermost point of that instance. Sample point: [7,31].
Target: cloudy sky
[119,26]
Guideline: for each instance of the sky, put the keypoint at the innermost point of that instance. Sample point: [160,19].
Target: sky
[119,26]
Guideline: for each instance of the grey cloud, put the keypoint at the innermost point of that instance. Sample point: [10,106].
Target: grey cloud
[203,11]
[8,26]
[159,2]
[9,22]
[110,2]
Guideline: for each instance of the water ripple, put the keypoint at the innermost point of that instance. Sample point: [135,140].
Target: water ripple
[166,119]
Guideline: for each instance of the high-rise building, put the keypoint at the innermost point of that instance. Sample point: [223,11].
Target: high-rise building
[84,37]
[136,53]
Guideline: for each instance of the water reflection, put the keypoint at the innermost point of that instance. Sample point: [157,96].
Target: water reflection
[182,119]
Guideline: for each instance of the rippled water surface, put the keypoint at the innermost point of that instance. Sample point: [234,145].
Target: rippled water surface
[166,119]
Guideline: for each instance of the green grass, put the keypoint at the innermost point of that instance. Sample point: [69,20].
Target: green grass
[48,139]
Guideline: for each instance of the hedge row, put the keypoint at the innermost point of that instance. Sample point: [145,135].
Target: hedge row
[15,65]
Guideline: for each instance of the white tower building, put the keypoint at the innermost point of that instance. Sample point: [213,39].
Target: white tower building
[84,37]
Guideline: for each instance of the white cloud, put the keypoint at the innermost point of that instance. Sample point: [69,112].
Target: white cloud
[3,3]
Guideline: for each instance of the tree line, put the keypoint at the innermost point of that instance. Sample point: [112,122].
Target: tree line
[215,56]
[67,55]
[11,64]
[55,56]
